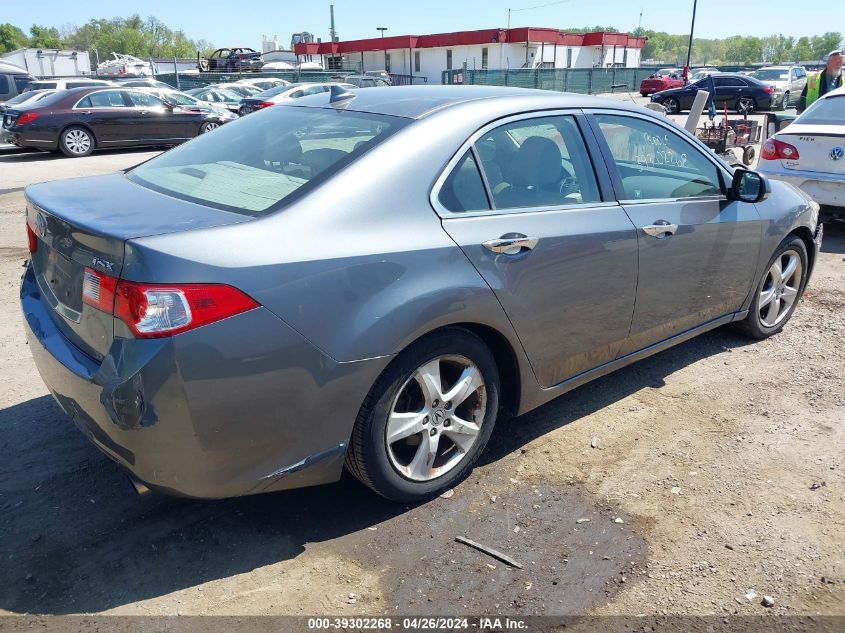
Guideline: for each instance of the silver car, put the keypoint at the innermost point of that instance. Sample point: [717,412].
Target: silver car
[369,278]
[788,82]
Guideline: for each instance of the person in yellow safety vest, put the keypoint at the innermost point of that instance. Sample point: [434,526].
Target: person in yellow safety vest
[822,82]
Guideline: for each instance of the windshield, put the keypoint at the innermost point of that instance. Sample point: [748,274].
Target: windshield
[771,74]
[252,165]
[830,111]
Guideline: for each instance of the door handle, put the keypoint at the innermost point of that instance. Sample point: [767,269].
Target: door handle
[511,244]
[661,229]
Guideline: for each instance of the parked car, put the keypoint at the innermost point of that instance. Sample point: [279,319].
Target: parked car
[282,94]
[244,90]
[143,83]
[66,84]
[264,83]
[124,66]
[21,101]
[220,97]
[80,120]
[365,81]
[663,79]
[13,80]
[743,94]
[239,315]
[810,153]
[237,59]
[701,73]
[381,74]
[176,98]
[787,81]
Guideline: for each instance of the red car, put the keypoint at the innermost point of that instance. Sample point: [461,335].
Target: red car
[663,79]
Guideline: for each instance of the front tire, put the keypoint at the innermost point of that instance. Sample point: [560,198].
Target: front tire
[77,141]
[427,418]
[779,291]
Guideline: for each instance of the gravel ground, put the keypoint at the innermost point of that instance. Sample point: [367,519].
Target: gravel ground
[716,478]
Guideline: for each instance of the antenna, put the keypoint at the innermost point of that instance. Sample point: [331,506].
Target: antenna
[340,95]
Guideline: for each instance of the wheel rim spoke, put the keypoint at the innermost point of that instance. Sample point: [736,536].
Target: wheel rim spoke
[766,297]
[467,384]
[789,270]
[462,433]
[402,425]
[789,296]
[772,311]
[422,465]
[428,377]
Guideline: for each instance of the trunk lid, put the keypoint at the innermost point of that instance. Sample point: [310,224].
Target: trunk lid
[84,224]
[816,145]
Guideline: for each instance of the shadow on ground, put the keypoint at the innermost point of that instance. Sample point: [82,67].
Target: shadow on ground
[77,539]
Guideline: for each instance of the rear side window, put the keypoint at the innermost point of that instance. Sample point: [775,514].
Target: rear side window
[538,162]
[463,190]
[105,99]
[266,159]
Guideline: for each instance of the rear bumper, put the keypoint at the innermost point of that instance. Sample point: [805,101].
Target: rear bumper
[25,139]
[242,406]
[828,190]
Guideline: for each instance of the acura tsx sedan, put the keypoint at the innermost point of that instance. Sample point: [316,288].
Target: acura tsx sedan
[367,279]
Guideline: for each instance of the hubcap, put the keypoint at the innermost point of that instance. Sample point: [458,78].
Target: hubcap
[780,288]
[436,418]
[77,141]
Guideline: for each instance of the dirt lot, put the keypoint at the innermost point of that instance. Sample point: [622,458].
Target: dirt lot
[718,471]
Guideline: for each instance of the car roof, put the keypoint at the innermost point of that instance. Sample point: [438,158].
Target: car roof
[416,102]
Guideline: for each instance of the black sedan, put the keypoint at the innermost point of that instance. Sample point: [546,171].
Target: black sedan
[738,92]
[81,120]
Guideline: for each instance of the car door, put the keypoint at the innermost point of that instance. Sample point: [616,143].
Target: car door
[698,250]
[532,212]
[108,113]
[727,91]
[158,121]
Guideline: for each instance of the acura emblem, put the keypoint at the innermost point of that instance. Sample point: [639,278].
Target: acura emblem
[41,225]
[836,153]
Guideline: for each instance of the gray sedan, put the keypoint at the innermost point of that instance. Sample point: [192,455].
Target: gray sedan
[368,279]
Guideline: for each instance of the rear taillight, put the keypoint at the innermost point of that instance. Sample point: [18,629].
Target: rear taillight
[26,117]
[32,239]
[768,90]
[265,104]
[155,311]
[774,149]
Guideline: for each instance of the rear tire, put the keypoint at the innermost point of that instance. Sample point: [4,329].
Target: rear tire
[209,126]
[778,292]
[785,103]
[746,105]
[77,141]
[404,419]
[672,105]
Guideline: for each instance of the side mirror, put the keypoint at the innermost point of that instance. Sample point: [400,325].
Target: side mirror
[749,186]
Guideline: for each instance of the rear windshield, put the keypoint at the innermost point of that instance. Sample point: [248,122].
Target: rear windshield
[257,163]
[830,111]
[42,85]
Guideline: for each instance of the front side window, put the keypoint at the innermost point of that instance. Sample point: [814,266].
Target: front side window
[656,163]
[463,189]
[538,162]
[254,166]
[22,81]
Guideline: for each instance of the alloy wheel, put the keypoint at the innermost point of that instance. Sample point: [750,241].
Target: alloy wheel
[209,126]
[77,141]
[672,105]
[745,105]
[436,418]
[780,288]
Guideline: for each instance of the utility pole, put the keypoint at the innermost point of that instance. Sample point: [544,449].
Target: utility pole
[691,30]
[383,29]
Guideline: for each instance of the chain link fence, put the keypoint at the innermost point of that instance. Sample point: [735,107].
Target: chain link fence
[581,80]
[187,81]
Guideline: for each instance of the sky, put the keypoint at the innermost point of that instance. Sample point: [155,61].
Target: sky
[243,24]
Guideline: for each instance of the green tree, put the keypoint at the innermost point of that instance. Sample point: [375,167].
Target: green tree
[11,38]
[44,37]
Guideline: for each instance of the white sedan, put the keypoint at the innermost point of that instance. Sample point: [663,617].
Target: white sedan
[810,153]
